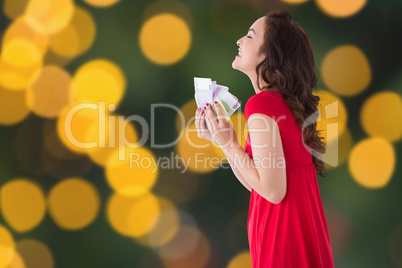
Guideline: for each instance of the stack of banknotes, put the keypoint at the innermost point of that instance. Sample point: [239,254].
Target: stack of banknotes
[207,91]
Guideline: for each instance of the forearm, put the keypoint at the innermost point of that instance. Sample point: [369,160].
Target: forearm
[244,164]
[237,173]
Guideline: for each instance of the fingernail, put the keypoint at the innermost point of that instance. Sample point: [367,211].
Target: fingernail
[216,102]
[207,104]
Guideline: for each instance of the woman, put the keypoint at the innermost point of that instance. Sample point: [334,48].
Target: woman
[286,222]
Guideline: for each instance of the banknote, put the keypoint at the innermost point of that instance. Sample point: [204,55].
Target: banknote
[208,91]
[203,91]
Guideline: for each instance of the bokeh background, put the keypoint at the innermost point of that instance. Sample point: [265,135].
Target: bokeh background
[66,206]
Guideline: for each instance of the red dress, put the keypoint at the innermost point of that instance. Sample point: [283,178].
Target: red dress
[293,233]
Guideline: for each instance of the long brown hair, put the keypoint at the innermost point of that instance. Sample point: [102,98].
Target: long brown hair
[289,66]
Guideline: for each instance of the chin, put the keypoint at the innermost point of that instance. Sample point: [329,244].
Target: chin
[234,65]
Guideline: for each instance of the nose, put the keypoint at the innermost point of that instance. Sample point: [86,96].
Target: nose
[238,42]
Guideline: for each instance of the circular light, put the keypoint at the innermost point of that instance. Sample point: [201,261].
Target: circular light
[346,70]
[73,203]
[372,162]
[165,39]
[381,116]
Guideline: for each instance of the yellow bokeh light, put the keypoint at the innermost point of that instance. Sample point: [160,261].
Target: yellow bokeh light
[200,155]
[7,247]
[112,133]
[73,203]
[35,254]
[99,80]
[372,162]
[102,3]
[333,116]
[48,16]
[16,78]
[240,125]
[165,39]
[65,43]
[132,171]
[13,107]
[22,204]
[340,8]
[241,260]
[133,216]
[51,92]
[381,115]
[19,29]
[346,70]
[74,122]
[143,214]
[339,150]
[16,262]
[76,37]
[166,227]
[20,53]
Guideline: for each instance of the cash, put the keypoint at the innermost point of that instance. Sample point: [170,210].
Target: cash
[208,91]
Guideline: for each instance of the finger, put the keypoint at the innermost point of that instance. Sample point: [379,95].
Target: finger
[204,122]
[210,113]
[215,121]
[197,118]
[197,115]
[218,109]
[208,122]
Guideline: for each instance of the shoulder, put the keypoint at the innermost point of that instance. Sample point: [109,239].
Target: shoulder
[267,103]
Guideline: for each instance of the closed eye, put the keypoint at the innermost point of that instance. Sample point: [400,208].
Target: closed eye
[248,36]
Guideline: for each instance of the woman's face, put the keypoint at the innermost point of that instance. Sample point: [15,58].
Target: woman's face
[249,45]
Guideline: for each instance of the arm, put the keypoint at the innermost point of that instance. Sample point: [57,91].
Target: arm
[237,173]
[268,181]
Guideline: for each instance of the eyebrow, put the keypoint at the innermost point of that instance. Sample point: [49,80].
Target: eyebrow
[251,29]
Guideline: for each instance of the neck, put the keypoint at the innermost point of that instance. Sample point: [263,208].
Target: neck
[263,84]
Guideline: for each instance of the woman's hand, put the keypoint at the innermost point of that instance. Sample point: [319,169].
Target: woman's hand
[202,131]
[221,131]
